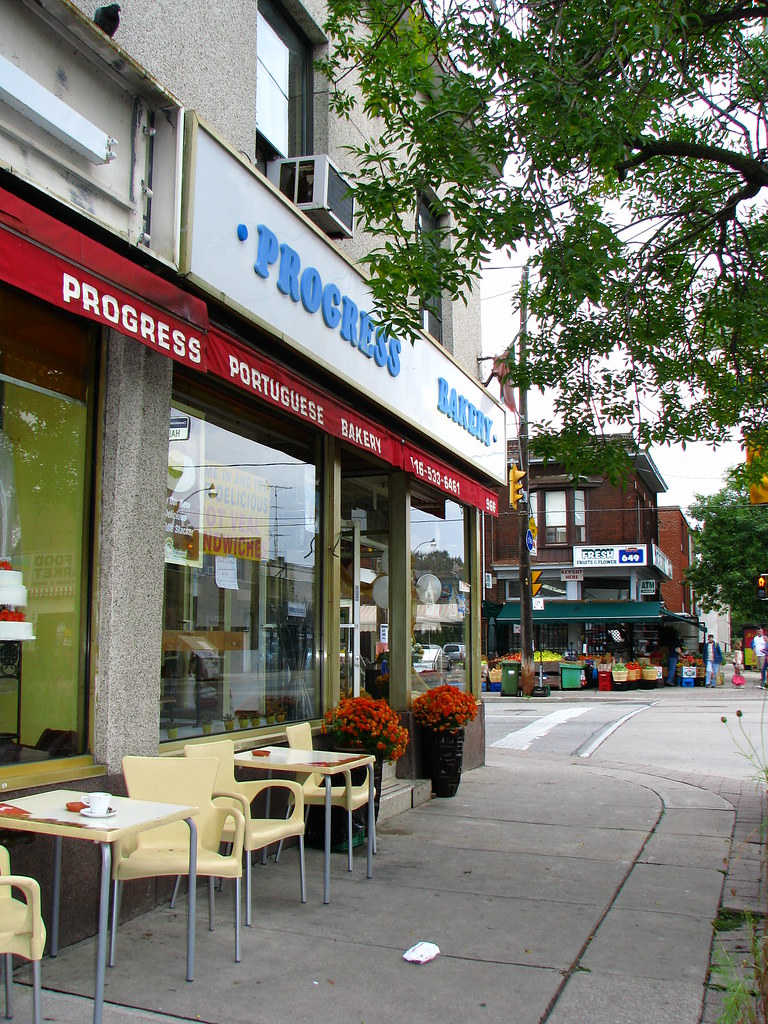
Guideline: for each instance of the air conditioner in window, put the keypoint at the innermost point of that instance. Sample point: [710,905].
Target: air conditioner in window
[316,186]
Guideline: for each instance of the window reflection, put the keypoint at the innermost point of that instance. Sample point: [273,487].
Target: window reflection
[47,371]
[240,580]
[440,595]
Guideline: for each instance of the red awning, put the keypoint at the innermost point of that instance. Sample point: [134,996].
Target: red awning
[58,264]
[62,266]
[233,361]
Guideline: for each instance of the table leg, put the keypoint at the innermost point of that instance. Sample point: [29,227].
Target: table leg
[371,844]
[327,843]
[54,943]
[101,941]
[192,905]
[266,814]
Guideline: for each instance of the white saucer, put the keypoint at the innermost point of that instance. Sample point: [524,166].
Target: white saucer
[88,813]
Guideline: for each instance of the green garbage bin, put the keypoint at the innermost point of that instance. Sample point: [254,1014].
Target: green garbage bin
[510,677]
[570,676]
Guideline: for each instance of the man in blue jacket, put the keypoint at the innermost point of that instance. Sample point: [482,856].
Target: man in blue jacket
[713,659]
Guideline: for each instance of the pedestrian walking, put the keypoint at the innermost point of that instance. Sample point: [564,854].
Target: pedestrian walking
[738,664]
[760,649]
[713,659]
[674,654]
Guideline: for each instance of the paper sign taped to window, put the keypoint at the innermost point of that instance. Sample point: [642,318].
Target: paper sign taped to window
[226,572]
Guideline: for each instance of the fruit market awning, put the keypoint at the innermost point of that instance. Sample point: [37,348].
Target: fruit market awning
[588,611]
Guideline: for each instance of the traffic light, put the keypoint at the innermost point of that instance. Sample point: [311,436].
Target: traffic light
[758,492]
[515,485]
[762,586]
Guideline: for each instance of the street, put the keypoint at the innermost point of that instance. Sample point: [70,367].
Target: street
[674,728]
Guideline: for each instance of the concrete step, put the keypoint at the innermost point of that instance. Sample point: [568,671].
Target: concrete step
[401,795]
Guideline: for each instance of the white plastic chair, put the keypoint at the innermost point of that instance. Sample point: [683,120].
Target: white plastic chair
[21,930]
[259,832]
[347,796]
[164,851]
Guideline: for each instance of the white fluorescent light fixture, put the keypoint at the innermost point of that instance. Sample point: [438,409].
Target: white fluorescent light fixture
[47,111]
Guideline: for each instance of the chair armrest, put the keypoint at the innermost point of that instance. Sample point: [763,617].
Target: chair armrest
[237,797]
[30,887]
[254,789]
[239,820]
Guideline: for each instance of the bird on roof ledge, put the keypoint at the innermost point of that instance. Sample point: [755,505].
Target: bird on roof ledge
[107,18]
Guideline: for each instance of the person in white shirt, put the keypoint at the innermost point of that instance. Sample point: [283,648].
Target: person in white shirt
[760,648]
[713,659]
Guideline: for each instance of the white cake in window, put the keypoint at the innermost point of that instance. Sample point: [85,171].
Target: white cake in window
[13,595]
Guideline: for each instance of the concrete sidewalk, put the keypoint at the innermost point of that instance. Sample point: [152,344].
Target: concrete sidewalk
[557,891]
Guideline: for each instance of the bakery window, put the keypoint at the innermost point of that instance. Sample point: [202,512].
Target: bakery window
[47,384]
[241,598]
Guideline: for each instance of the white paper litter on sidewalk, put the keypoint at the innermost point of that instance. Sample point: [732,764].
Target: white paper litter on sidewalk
[421,953]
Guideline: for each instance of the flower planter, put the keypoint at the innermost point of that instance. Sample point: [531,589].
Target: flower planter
[441,757]
[315,833]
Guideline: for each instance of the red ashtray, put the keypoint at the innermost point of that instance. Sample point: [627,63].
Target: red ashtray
[76,805]
[259,753]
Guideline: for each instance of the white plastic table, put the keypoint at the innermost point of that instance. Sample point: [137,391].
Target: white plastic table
[48,815]
[326,763]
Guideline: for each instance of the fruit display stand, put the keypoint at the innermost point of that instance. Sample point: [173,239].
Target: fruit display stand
[651,677]
[494,680]
[621,679]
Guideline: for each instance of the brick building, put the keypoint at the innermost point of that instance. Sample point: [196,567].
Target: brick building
[677,542]
[600,560]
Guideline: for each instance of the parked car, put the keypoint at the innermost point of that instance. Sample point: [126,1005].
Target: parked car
[455,653]
[430,659]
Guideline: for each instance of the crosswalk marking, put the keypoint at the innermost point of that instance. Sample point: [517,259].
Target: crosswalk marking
[523,738]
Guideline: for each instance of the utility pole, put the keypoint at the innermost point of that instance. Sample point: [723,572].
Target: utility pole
[527,667]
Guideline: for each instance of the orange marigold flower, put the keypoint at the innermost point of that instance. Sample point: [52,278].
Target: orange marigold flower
[372,724]
[444,709]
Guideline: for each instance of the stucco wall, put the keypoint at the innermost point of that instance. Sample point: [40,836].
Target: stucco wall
[204,52]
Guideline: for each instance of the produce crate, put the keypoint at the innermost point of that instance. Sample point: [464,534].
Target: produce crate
[651,677]
[621,680]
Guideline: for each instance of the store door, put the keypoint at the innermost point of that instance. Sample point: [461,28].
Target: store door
[349,612]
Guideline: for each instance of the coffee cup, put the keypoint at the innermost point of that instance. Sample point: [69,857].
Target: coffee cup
[99,803]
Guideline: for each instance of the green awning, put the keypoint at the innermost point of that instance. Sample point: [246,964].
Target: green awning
[687,619]
[587,611]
